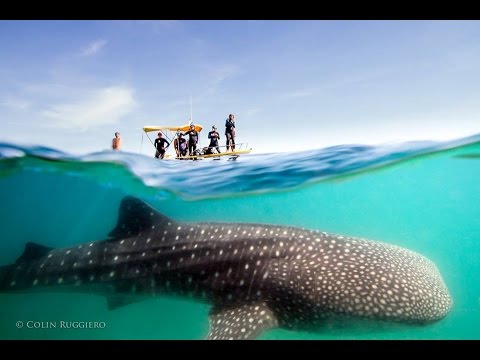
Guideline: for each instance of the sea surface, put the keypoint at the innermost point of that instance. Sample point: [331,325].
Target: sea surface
[424,196]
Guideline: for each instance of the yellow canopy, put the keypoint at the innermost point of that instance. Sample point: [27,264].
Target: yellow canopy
[186,127]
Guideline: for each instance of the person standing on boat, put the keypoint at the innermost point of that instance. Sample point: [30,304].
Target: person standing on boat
[116,141]
[180,145]
[160,146]
[214,136]
[192,140]
[230,132]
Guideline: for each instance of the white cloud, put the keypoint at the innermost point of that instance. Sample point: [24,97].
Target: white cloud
[94,47]
[98,107]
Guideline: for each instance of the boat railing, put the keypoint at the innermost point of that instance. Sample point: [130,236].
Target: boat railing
[223,148]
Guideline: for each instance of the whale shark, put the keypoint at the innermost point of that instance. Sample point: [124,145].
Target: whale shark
[255,276]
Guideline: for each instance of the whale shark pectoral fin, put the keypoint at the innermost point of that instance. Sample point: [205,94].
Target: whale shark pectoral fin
[242,322]
[135,216]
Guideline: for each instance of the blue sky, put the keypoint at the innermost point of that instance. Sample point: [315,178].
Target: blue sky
[292,85]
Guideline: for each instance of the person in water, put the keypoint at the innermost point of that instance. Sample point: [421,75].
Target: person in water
[180,145]
[160,146]
[230,132]
[192,140]
[214,136]
[116,141]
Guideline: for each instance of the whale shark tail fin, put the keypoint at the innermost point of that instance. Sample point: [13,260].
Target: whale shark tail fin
[135,216]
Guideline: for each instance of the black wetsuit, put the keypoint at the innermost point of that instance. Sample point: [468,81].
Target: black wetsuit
[159,145]
[192,141]
[230,133]
[213,141]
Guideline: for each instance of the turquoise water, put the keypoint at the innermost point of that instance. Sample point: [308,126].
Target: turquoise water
[422,196]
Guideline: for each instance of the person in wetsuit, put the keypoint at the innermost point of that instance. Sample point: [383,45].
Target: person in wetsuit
[230,132]
[180,145]
[160,146]
[214,136]
[192,140]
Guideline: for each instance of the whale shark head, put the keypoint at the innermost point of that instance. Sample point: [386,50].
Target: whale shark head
[426,294]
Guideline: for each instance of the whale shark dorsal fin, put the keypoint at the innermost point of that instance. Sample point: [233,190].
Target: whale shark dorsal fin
[241,322]
[33,251]
[135,216]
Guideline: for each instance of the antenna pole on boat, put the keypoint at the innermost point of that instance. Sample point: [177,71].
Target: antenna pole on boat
[191,116]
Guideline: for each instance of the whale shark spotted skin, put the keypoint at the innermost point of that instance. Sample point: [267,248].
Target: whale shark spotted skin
[257,277]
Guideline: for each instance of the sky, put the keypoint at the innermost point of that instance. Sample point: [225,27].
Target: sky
[292,85]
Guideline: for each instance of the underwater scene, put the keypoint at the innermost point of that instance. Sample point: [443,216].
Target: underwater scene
[419,196]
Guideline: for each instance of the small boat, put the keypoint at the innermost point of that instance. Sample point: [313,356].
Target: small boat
[172,132]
